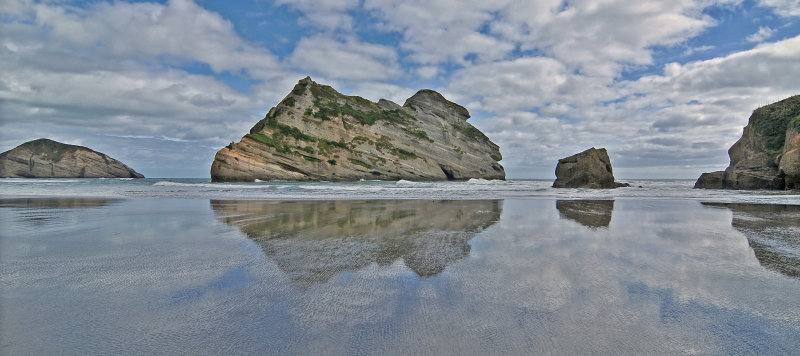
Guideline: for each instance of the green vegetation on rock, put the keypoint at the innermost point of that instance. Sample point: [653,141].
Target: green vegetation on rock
[795,123]
[327,110]
[52,150]
[290,131]
[468,130]
[420,134]
[385,144]
[360,163]
[770,123]
[260,137]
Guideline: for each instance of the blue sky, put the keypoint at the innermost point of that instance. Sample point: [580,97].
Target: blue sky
[162,85]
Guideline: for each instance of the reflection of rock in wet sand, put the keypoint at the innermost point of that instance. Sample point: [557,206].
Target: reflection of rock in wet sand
[35,210]
[55,203]
[312,241]
[590,213]
[773,232]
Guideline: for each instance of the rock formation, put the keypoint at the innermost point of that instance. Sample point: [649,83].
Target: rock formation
[316,133]
[45,158]
[767,156]
[588,169]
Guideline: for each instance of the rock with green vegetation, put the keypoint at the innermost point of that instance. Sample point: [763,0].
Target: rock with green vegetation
[44,158]
[767,156]
[588,169]
[317,134]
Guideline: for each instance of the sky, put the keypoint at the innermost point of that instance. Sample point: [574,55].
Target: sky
[665,86]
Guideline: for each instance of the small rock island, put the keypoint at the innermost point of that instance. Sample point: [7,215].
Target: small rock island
[44,158]
[767,156]
[588,169]
[317,134]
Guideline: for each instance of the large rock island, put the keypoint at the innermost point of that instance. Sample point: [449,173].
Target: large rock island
[316,133]
[44,158]
[767,156]
[588,169]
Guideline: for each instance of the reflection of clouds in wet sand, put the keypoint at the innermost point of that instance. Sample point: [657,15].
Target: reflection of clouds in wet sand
[665,277]
[589,213]
[312,241]
[773,232]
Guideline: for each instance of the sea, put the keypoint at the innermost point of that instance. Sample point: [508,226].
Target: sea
[191,267]
[198,188]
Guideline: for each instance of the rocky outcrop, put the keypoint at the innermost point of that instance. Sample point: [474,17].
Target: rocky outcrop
[44,158]
[789,163]
[316,133]
[588,169]
[767,156]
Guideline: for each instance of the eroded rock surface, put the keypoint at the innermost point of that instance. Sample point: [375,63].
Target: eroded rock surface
[44,158]
[767,156]
[316,133]
[588,169]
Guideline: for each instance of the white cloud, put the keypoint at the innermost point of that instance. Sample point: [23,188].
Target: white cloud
[685,118]
[541,78]
[325,14]
[349,59]
[442,30]
[597,38]
[785,8]
[764,32]
[113,69]
[179,29]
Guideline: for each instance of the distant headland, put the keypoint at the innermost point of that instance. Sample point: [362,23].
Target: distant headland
[45,158]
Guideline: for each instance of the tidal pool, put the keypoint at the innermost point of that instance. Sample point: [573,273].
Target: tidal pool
[164,276]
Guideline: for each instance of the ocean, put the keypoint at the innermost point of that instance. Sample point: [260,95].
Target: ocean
[198,188]
[186,266]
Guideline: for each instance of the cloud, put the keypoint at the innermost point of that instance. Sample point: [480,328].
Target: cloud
[180,30]
[764,32]
[687,116]
[595,38]
[442,30]
[116,69]
[328,15]
[349,59]
[544,79]
[784,8]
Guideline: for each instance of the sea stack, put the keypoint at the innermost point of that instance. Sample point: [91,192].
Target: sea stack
[317,134]
[767,156]
[588,169]
[44,158]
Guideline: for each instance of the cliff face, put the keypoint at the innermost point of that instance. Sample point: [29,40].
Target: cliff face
[316,133]
[767,156]
[45,158]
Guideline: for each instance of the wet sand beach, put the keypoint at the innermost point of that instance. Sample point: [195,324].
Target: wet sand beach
[514,276]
